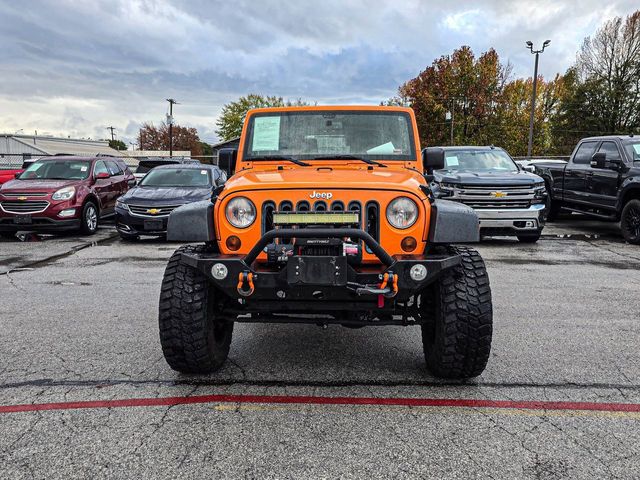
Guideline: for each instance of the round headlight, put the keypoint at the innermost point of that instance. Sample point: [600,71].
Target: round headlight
[402,212]
[241,212]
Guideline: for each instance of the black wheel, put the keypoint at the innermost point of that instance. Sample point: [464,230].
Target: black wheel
[458,317]
[552,209]
[129,238]
[8,235]
[89,219]
[195,338]
[529,237]
[630,221]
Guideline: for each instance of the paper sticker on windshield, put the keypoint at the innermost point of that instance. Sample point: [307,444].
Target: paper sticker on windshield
[266,134]
[452,161]
[84,169]
[203,172]
[384,149]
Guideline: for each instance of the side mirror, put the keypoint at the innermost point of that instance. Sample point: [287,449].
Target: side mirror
[227,160]
[17,175]
[102,176]
[599,160]
[432,159]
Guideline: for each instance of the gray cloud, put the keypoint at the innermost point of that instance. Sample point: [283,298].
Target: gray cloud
[73,68]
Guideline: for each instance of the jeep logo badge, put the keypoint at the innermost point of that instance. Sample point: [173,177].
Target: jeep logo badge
[325,195]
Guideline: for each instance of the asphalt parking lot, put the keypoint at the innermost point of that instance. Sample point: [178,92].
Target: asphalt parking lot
[560,397]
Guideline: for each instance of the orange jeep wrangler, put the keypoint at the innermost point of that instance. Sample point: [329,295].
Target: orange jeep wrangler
[327,218]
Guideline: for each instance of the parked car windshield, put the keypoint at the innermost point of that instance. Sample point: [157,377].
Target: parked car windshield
[484,160]
[372,135]
[633,149]
[178,177]
[145,165]
[57,170]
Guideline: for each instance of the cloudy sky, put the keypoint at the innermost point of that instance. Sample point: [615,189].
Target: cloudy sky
[76,67]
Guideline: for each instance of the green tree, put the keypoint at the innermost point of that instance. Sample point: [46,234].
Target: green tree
[117,144]
[231,118]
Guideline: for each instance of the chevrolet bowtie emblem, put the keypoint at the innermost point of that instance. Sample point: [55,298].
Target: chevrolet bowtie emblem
[153,211]
[22,198]
[498,194]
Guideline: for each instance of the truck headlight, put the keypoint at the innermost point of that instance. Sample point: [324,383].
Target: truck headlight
[540,195]
[402,212]
[241,212]
[65,193]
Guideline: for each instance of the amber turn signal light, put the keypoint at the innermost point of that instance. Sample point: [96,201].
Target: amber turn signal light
[233,243]
[408,244]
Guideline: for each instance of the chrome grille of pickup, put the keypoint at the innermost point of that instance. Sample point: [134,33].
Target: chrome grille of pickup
[25,194]
[494,197]
[152,211]
[21,206]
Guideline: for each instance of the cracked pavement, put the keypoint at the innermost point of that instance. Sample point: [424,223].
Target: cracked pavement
[83,326]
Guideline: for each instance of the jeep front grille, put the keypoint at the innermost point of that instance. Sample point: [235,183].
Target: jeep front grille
[20,206]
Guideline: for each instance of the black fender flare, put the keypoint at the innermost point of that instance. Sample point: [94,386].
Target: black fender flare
[192,222]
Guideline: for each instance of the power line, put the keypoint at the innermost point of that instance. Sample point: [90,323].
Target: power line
[112,135]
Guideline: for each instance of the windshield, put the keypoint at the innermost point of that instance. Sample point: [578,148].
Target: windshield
[372,135]
[484,160]
[57,170]
[633,150]
[179,177]
[145,165]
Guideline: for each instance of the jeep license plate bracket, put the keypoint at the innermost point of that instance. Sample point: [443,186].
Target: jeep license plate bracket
[321,270]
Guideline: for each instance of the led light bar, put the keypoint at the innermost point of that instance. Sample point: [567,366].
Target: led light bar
[315,218]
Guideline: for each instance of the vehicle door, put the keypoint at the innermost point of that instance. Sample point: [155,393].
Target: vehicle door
[575,174]
[118,178]
[603,181]
[103,187]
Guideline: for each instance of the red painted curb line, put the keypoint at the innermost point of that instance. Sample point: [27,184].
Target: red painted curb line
[307,400]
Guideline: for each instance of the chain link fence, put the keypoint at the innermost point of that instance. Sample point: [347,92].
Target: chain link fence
[22,160]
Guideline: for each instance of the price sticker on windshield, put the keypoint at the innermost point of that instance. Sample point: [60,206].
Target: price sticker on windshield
[266,134]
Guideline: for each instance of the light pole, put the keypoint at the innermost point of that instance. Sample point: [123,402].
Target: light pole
[172,102]
[533,94]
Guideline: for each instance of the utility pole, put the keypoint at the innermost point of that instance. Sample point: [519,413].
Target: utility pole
[172,102]
[112,129]
[533,94]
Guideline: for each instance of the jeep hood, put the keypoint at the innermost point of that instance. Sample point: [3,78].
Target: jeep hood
[327,178]
[491,178]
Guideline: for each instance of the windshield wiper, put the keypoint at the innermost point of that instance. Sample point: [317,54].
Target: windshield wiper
[280,157]
[350,157]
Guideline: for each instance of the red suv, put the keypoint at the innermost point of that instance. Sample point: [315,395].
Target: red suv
[63,193]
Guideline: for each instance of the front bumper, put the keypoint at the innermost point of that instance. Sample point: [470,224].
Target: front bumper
[512,219]
[319,284]
[39,224]
[134,225]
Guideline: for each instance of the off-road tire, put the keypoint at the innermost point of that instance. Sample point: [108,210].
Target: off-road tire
[85,227]
[194,339]
[630,221]
[529,237]
[459,319]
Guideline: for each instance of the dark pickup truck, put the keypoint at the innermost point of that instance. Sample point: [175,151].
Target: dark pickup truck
[601,179]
